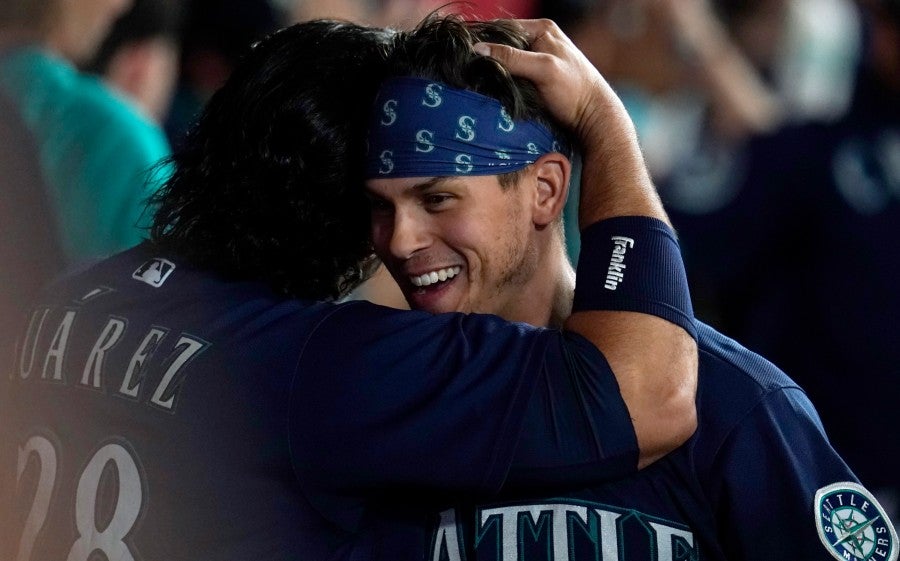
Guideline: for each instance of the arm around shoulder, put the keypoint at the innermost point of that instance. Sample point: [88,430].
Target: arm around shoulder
[645,331]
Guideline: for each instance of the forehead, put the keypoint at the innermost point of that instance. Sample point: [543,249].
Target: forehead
[410,186]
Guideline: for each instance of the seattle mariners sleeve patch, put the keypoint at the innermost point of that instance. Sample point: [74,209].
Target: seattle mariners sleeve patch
[852,524]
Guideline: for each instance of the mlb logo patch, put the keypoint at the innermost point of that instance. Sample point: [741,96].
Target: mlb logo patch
[154,272]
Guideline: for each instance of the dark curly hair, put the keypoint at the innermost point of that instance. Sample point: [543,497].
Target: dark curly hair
[440,48]
[267,185]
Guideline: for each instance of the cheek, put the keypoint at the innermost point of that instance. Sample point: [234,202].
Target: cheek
[462,234]
[482,240]
[381,235]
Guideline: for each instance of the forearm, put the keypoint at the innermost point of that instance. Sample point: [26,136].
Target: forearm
[615,180]
[654,361]
[632,303]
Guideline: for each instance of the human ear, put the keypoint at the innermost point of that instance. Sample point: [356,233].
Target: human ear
[551,173]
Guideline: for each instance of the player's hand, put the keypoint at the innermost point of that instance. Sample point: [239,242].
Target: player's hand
[615,180]
[571,87]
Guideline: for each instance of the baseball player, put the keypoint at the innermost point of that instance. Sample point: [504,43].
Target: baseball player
[476,187]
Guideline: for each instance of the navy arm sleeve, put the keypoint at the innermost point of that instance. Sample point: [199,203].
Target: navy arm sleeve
[443,403]
[783,492]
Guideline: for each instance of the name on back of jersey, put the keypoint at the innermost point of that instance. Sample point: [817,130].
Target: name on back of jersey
[59,349]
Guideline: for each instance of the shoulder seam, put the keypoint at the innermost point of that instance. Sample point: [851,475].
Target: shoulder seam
[762,398]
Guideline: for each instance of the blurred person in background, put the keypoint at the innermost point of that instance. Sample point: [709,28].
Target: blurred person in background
[30,252]
[691,69]
[402,14]
[139,57]
[816,285]
[214,36]
[93,149]
[701,77]
[789,228]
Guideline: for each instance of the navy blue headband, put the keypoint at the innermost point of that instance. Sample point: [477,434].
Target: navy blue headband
[423,128]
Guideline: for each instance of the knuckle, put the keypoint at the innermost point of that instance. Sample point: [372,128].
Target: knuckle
[549,27]
[554,65]
[546,68]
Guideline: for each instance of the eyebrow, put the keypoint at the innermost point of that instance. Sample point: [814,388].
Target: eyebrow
[433,182]
[423,186]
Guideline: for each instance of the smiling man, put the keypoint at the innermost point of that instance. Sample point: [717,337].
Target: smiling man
[468,177]
[466,245]
[485,233]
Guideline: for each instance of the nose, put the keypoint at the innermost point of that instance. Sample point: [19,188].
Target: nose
[408,233]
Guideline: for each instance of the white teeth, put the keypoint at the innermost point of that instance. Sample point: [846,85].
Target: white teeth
[434,276]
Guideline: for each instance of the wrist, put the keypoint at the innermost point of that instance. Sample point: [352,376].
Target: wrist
[633,263]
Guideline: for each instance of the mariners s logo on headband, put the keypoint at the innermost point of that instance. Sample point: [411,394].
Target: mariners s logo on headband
[423,128]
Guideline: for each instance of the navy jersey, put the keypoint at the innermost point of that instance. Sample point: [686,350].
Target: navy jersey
[159,412]
[757,481]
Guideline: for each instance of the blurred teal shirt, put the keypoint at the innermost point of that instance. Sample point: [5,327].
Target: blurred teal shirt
[98,153]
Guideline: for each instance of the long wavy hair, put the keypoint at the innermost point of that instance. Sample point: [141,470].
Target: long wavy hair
[268,183]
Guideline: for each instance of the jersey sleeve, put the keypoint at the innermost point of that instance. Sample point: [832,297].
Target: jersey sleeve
[768,474]
[576,431]
[409,400]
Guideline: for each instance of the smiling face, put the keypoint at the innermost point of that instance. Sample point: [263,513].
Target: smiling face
[455,243]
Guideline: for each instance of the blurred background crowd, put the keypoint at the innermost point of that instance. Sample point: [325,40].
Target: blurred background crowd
[771,128]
